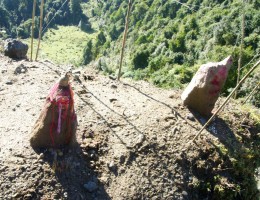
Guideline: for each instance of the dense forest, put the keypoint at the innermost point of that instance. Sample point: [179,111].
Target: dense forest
[167,39]
[16,15]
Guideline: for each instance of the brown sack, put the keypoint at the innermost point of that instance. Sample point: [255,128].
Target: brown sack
[57,123]
[203,91]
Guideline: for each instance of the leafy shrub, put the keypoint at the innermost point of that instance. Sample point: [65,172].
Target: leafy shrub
[87,53]
[140,59]
[248,86]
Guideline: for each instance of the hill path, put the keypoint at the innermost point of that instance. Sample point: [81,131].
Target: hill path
[130,138]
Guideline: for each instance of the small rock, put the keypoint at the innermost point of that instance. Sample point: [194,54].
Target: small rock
[65,194]
[113,86]
[112,100]
[172,96]
[4,71]
[9,82]
[90,186]
[140,139]
[184,193]
[60,153]
[76,71]
[190,117]
[175,129]
[41,156]
[111,165]
[20,69]
[112,77]
[15,195]
[155,198]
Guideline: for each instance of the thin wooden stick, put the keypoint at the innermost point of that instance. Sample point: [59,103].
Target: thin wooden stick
[33,15]
[253,91]
[241,46]
[40,30]
[227,99]
[124,38]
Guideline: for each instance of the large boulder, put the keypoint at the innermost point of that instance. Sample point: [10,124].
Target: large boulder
[204,89]
[15,49]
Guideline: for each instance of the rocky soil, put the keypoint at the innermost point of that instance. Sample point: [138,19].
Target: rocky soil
[132,142]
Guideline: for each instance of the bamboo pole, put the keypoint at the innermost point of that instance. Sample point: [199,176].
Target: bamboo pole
[33,15]
[40,30]
[227,99]
[124,38]
[241,45]
[251,94]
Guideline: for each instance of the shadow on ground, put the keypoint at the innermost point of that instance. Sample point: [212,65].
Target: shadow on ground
[226,167]
[74,176]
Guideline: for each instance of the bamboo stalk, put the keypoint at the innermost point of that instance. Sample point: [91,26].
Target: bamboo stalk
[33,15]
[40,30]
[251,94]
[227,99]
[124,38]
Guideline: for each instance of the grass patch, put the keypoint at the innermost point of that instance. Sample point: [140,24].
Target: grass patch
[62,45]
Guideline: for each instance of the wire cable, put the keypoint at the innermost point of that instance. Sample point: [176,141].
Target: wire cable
[54,16]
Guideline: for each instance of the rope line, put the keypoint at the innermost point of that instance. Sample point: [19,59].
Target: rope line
[189,6]
[54,16]
[251,61]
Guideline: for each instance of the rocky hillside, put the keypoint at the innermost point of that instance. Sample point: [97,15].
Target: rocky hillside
[132,142]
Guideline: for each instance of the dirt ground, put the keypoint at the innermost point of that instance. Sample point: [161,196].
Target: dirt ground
[132,142]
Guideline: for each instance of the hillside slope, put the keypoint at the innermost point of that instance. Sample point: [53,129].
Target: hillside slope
[168,39]
[131,142]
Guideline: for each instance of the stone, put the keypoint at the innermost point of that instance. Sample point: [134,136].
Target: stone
[15,49]
[113,86]
[112,77]
[112,166]
[140,139]
[76,71]
[41,156]
[9,82]
[90,186]
[20,69]
[184,193]
[203,91]
[190,117]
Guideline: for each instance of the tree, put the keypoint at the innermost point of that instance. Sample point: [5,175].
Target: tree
[75,11]
[5,17]
[87,53]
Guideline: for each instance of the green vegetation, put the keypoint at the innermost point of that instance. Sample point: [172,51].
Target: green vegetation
[16,15]
[167,40]
[55,45]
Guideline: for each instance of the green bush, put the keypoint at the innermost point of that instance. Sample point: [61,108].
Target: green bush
[248,86]
[88,53]
[140,59]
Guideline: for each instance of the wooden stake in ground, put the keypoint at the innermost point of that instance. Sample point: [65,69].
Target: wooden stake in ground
[124,38]
[226,101]
[251,94]
[40,30]
[33,15]
[241,46]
